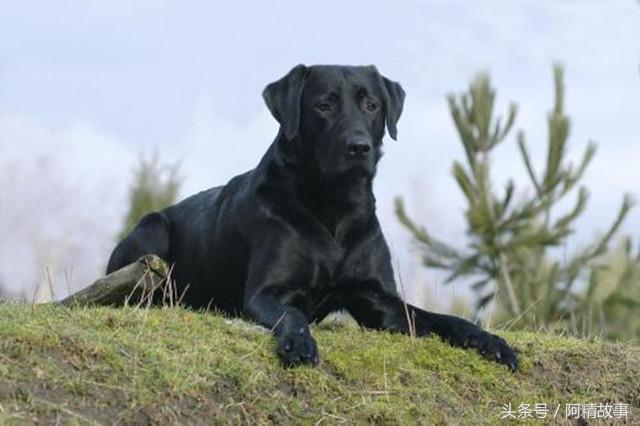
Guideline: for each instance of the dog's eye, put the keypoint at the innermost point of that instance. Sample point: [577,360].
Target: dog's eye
[323,106]
[371,106]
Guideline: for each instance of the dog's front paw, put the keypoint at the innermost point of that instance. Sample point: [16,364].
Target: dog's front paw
[490,346]
[297,347]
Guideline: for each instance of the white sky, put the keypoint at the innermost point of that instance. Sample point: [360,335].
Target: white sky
[88,86]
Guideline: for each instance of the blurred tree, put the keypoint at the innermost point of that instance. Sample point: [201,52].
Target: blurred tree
[509,247]
[154,188]
[611,302]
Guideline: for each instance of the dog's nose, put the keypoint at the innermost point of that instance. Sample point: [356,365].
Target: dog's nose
[358,147]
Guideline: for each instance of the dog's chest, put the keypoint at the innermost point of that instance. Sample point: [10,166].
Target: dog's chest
[329,269]
[328,280]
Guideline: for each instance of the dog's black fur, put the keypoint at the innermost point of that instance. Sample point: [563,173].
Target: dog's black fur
[297,237]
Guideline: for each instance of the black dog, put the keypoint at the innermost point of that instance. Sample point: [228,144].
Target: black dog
[296,238]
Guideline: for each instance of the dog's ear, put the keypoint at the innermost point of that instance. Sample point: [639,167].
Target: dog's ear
[393,97]
[283,97]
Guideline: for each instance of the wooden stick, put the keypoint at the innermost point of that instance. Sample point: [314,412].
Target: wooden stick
[128,284]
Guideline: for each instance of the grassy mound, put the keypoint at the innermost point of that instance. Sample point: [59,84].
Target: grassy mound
[172,365]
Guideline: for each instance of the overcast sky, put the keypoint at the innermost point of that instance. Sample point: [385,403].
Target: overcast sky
[86,87]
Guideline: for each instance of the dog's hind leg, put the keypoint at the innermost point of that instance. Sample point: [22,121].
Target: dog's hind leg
[150,236]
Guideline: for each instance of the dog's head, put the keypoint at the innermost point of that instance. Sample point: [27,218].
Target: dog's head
[339,112]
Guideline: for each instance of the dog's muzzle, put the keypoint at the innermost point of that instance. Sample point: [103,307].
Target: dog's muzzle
[358,148]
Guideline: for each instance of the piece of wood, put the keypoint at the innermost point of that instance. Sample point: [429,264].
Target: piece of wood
[131,284]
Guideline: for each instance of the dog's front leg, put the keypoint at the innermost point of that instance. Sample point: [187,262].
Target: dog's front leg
[374,306]
[460,332]
[289,325]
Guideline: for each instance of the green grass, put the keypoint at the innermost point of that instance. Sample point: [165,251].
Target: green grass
[171,365]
